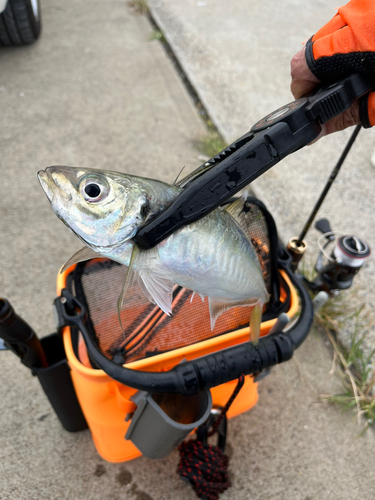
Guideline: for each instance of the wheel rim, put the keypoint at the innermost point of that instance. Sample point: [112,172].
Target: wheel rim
[35,7]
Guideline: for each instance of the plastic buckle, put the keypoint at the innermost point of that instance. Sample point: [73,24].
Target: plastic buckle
[68,311]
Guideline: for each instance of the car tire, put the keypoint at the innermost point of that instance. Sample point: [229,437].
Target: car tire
[20,22]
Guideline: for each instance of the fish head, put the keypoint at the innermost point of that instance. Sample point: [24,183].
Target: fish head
[102,208]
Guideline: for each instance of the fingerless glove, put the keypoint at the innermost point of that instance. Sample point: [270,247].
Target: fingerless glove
[346,45]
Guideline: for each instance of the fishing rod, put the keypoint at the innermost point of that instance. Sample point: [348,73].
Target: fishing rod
[296,245]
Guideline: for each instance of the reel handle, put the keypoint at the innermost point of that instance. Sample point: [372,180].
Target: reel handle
[324,227]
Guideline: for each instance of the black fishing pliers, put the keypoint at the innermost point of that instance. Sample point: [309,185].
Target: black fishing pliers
[271,139]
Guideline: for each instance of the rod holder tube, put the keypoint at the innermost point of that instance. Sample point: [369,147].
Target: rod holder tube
[296,249]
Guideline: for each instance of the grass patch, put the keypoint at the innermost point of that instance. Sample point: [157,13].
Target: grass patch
[139,7]
[354,367]
[211,143]
[357,376]
[157,35]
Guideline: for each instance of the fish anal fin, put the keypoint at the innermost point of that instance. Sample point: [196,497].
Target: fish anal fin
[216,308]
[200,295]
[83,254]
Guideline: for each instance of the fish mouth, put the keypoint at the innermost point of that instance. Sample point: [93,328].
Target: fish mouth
[50,179]
[45,181]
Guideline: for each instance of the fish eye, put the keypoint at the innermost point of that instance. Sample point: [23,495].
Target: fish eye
[93,190]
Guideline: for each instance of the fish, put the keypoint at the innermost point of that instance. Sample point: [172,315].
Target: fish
[213,257]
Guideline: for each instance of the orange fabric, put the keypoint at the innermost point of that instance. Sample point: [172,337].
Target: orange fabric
[351,30]
[371,108]
[334,24]
[347,35]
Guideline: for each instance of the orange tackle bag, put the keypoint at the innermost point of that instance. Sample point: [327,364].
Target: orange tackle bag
[143,392]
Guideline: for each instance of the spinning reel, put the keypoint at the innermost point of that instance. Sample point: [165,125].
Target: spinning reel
[336,269]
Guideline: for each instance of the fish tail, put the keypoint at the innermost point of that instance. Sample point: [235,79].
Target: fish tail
[255,321]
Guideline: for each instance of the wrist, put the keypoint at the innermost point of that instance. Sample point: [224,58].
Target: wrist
[311,63]
[367,110]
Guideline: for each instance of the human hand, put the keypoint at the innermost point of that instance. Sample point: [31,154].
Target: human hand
[304,82]
[345,45]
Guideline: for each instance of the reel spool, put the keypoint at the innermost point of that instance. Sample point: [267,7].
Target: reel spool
[343,263]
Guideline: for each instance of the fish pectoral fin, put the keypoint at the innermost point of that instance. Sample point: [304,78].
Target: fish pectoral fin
[159,288]
[156,286]
[130,276]
[83,254]
[255,321]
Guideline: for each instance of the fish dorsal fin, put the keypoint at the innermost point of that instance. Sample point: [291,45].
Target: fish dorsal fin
[83,254]
[235,209]
[193,175]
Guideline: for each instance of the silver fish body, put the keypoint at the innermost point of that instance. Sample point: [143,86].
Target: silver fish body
[213,256]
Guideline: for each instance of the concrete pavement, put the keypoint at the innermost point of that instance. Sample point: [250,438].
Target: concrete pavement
[94,91]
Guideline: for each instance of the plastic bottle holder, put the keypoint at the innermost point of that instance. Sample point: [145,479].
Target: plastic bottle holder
[162,421]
